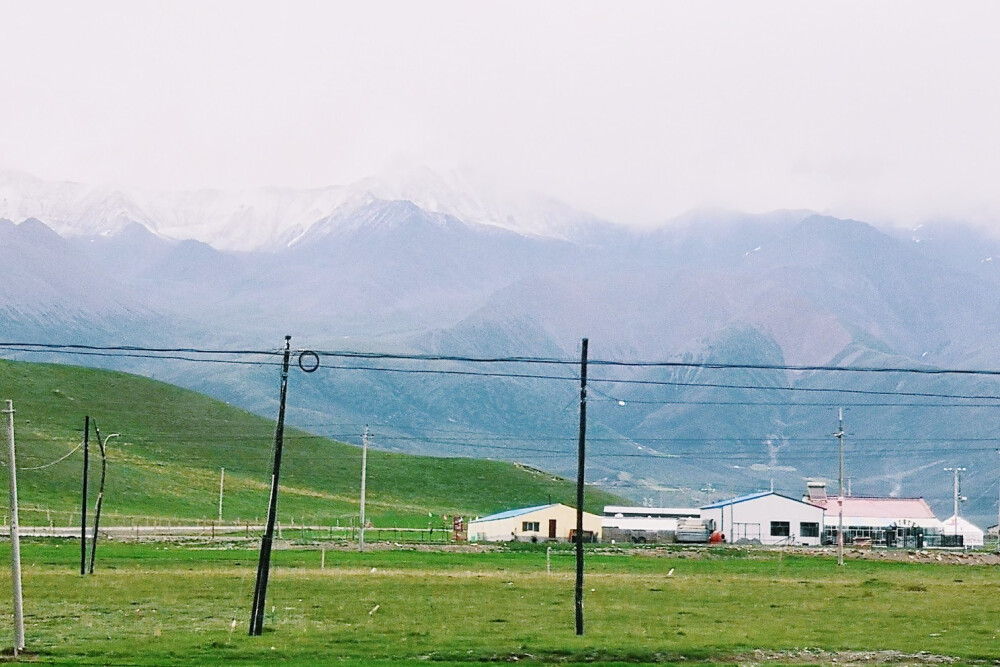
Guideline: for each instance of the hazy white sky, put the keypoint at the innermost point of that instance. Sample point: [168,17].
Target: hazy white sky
[636,111]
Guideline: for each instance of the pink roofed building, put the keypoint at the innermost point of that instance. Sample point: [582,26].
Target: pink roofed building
[878,520]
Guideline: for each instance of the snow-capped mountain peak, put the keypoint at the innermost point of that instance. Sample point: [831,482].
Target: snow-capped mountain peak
[470,199]
[272,217]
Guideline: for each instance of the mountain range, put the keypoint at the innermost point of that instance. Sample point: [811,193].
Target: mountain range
[428,265]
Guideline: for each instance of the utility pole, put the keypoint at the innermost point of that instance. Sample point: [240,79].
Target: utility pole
[83,508]
[222,484]
[100,493]
[264,564]
[580,477]
[15,536]
[840,491]
[957,472]
[364,475]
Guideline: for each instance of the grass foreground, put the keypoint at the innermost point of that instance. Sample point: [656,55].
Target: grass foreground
[161,604]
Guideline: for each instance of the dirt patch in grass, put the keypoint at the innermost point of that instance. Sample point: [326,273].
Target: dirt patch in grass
[459,548]
[896,555]
[924,556]
[805,656]
[815,656]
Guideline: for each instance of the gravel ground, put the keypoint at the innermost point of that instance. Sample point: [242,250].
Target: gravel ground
[815,656]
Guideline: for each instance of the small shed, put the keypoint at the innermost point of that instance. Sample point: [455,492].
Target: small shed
[543,523]
[768,518]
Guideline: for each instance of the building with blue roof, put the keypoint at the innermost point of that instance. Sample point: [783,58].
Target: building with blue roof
[554,522]
[767,518]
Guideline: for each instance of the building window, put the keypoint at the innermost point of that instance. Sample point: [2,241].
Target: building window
[807,529]
[529,527]
[780,529]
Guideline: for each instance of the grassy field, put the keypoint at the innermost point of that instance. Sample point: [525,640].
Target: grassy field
[172,604]
[173,442]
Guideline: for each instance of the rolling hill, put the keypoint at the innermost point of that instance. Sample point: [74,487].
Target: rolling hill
[164,463]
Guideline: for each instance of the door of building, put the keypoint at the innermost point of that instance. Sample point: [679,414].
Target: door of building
[552,529]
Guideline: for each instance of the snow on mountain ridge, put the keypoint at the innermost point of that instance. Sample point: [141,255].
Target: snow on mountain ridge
[68,208]
[272,217]
[467,199]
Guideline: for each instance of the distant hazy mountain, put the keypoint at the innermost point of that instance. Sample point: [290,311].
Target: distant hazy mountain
[424,265]
[49,291]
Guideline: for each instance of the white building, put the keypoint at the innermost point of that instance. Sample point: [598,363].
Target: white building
[543,523]
[643,524]
[973,536]
[767,517]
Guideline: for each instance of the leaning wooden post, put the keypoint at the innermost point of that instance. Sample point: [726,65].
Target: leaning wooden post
[15,537]
[100,493]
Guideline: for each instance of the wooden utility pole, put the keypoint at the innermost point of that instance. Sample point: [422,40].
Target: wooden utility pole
[15,537]
[264,563]
[364,475]
[100,492]
[580,478]
[83,507]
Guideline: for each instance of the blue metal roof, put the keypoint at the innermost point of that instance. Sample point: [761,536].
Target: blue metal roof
[751,496]
[510,514]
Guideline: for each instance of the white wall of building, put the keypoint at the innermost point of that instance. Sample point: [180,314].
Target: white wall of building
[639,523]
[973,535]
[768,517]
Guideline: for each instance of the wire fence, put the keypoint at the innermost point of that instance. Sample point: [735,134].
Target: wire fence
[214,530]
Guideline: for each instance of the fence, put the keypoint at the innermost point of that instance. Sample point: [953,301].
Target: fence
[212,530]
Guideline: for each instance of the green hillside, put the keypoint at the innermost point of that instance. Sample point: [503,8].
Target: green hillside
[165,464]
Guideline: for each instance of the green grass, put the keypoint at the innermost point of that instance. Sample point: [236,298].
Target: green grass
[166,462]
[169,604]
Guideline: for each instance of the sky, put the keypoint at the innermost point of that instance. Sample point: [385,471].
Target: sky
[637,111]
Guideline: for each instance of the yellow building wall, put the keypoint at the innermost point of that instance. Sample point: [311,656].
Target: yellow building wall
[515,528]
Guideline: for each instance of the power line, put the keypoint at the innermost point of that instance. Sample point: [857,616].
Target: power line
[137,348]
[865,392]
[708,365]
[439,371]
[136,355]
[174,354]
[703,365]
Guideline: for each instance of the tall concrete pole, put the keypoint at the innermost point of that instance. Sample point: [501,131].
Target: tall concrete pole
[364,475]
[957,472]
[15,537]
[840,491]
